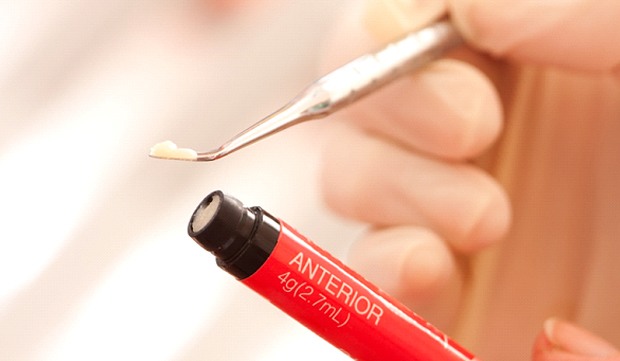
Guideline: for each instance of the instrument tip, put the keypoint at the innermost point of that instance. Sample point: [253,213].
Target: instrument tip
[169,150]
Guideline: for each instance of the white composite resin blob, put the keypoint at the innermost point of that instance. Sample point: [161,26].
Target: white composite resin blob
[169,150]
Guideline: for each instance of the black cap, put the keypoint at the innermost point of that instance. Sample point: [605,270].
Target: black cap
[221,225]
[240,238]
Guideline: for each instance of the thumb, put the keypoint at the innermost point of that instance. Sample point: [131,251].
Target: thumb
[578,34]
[562,341]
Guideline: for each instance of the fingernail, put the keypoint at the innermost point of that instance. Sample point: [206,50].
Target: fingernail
[388,18]
[575,340]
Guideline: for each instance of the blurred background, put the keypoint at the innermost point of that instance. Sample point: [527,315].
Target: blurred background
[95,263]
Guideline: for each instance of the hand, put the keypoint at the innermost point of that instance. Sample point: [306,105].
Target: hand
[512,139]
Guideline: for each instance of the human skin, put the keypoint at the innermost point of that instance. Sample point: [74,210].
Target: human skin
[489,179]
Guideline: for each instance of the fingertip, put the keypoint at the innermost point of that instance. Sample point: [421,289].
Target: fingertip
[549,329]
[492,222]
[463,107]
[414,265]
[405,261]
[386,19]
[429,267]
[366,25]
[564,337]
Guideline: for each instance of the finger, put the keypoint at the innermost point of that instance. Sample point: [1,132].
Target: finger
[380,21]
[577,34]
[386,19]
[375,181]
[449,110]
[562,341]
[415,266]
